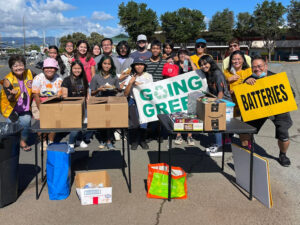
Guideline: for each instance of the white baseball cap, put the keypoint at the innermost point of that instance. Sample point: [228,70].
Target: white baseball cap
[142,37]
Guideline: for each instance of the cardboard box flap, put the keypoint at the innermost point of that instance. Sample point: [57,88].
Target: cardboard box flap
[97,100]
[117,100]
[68,100]
[95,177]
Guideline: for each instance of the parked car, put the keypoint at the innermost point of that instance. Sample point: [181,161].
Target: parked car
[293,57]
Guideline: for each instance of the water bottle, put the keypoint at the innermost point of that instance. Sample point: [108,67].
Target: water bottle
[185,66]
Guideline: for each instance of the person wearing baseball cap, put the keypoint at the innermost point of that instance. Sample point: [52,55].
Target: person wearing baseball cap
[200,50]
[45,85]
[142,51]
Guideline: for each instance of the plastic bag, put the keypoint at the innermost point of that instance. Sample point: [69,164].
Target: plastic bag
[58,171]
[157,182]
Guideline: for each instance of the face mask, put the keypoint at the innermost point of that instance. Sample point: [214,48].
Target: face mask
[141,48]
[263,74]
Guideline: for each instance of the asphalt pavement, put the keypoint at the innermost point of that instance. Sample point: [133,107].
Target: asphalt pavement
[213,196]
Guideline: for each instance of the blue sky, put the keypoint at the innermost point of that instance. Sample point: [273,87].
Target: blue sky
[60,17]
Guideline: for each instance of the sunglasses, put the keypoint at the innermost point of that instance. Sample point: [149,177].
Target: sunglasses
[200,46]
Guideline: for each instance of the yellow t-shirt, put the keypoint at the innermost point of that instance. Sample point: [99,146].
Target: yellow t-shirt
[195,58]
[243,75]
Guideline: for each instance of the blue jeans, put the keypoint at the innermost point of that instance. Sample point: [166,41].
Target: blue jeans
[80,136]
[25,121]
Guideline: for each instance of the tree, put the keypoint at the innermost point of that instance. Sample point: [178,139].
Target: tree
[244,28]
[33,47]
[95,38]
[268,21]
[121,36]
[221,26]
[75,37]
[137,19]
[293,16]
[183,25]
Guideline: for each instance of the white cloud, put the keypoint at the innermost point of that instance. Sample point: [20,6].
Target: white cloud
[47,15]
[101,16]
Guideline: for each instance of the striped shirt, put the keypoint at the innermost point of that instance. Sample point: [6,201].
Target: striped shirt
[155,68]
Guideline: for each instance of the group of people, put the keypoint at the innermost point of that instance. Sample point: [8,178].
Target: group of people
[84,71]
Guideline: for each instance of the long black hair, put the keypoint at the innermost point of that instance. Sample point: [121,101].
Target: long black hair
[112,70]
[238,52]
[61,64]
[88,53]
[211,76]
[120,45]
[82,77]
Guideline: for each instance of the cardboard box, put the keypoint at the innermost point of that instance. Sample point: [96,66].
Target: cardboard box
[94,195]
[107,112]
[213,113]
[56,112]
[186,123]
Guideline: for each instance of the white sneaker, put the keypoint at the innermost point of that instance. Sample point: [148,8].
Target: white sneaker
[214,151]
[83,144]
[71,145]
[117,136]
[178,140]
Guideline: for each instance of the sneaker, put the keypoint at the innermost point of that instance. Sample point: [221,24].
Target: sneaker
[72,146]
[284,160]
[117,136]
[110,146]
[44,146]
[102,145]
[190,141]
[214,151]
[178,140]
[134,146]
[83,145]
[144,145]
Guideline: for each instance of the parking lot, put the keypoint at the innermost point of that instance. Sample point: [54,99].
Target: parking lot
[213,196]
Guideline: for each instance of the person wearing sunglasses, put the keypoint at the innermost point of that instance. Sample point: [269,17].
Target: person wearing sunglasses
[200,50]
[234,45]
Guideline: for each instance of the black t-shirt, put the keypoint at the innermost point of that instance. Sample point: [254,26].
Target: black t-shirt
[76,89]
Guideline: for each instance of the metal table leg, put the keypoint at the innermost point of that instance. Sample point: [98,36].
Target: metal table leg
[36,171]
[169,178]
[251,167]
[223,150]
[128,159]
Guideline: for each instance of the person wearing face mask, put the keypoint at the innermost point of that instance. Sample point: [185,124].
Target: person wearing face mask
[282,121]
[16,96]
[142,51]
[45,85]
[234,45]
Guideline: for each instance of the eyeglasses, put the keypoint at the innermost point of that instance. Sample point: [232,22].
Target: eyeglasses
[258,67]
[200,46]
[69,46]
[18,65]
[106,45]
[233,46]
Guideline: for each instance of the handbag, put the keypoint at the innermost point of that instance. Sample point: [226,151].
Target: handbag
[170,70]
[58,169]
[157,182]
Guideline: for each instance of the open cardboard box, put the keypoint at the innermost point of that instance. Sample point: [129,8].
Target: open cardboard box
[58,112]
[212,113]
[107,112]
[94,195]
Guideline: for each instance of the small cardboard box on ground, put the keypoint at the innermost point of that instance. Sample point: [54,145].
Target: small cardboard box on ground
[100,194]
[58,112]
[213,113]
[107,112]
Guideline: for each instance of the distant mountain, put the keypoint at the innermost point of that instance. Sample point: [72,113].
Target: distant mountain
[19,41]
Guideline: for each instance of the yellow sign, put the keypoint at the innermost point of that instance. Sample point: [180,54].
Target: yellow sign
[269,96]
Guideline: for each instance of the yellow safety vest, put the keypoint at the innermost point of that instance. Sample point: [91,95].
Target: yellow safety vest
[6,106]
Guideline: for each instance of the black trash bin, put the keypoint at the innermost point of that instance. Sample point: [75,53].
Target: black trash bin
[10,134]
